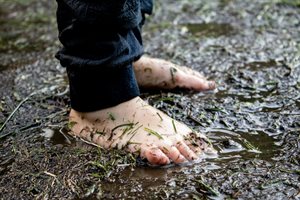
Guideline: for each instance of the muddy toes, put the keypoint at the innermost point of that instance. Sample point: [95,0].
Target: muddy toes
[173,153]
[195,149]
[156,157]
[195,83]
[186,151]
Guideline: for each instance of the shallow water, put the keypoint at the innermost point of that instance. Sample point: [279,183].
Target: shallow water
[233,147]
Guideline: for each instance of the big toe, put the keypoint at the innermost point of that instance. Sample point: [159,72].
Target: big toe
[196,83]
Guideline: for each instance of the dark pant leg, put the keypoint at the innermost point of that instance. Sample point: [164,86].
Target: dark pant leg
[95,88]
[99,55]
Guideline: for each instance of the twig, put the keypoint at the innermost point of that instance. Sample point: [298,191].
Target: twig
[63,92]
[67,139]
[50,174]
[15,110]
[4,135]
[123,165]
[90,143]
[34,125]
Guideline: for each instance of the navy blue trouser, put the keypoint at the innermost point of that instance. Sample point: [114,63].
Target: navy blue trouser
[101,39]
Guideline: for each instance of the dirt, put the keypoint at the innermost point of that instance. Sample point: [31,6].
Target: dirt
[251,49]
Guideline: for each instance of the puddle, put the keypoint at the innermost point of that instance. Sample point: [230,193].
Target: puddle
[181,180]
[259,65]
[57,136]
[244,145]
[162,183]
[209,29]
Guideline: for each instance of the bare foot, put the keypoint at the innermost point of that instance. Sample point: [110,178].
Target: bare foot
[157,73]
[137,127]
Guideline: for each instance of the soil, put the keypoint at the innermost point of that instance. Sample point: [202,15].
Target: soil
[251,49]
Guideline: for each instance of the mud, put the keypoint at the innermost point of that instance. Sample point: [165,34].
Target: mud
[251,49]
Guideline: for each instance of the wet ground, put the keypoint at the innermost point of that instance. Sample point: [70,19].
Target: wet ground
[252,50]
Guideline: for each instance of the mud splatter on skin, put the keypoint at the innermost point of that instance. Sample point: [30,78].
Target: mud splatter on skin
[173,72]
[111,116]
[148,70]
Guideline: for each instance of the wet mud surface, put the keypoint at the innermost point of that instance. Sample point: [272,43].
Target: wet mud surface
[251,49]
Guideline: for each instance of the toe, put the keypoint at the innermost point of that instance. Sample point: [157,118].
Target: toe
[173,153]
[190,71]
[195,83]
[186,151]
[155,156]
[195,148]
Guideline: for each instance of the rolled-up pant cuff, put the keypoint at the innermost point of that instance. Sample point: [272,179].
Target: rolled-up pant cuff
[93,89]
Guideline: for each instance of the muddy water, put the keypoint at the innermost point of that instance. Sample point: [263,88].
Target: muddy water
[252,51]
[148,182]
[209,29]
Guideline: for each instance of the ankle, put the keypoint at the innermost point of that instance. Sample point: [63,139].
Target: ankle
[107,113]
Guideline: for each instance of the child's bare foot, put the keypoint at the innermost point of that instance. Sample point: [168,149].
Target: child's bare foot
[137,127]
[157,73]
